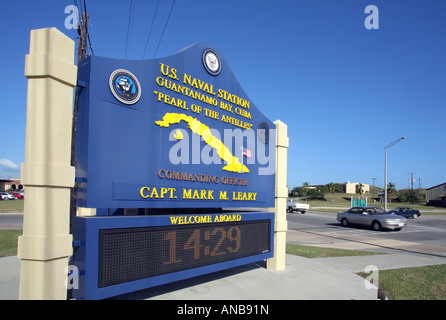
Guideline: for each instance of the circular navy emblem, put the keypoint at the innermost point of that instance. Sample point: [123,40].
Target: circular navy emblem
[125,86]
[263,132]
[211,62]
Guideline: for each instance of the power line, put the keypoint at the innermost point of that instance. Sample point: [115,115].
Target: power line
[83,35]
[88,34]
[76,4]
[81,54]
[83,16]
[89,44]
[419,183]
[151,27]
[167,21]
[127,42]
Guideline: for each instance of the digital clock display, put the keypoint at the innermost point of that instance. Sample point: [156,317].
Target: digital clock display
[121,254]
[130,254]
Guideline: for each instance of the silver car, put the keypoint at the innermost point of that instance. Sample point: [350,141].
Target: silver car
[6,196]
[375,217]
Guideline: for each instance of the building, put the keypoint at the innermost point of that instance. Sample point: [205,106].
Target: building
[3,183]
[436,196]
[346,187]
[350,187]
[13,184]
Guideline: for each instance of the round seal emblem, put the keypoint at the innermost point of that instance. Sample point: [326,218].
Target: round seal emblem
[125,86]
[211,62]
[263,132]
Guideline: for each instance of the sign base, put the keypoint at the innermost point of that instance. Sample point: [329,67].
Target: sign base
[118,254]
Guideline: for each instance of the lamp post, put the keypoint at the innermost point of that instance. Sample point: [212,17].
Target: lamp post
[385,170]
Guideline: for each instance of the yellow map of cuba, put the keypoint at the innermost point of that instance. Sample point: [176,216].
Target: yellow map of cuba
[233,163]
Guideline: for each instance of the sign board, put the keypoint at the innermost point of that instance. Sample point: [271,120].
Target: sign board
[174,132]
[123,254]
[358,202]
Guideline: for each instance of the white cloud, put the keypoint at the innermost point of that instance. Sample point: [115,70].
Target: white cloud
[8,165]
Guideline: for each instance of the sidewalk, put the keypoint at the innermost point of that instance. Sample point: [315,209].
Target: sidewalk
[303,279]
[383,262]
[9,278]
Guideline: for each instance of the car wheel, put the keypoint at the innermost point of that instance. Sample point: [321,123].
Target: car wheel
[376,226]
[415,216]
[303,212]
[344,222]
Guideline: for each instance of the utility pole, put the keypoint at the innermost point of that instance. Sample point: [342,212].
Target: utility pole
[83,35]
[411,180]
[373,182]
[81,54]
[419,183]
[373,189]
[385,169]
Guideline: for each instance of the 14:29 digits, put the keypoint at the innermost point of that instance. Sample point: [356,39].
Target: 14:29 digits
[194,242]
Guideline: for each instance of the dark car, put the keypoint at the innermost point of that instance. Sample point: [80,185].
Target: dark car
[406,212]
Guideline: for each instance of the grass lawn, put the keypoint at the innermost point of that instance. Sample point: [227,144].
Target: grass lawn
[418,283]
[342,200]
[8,242]
[11,205]
[317,252]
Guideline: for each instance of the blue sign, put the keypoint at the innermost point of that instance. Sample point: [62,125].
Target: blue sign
[174,132]
[117,255]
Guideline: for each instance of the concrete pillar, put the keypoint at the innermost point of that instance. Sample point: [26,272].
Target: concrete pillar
[46,243]
[282,142]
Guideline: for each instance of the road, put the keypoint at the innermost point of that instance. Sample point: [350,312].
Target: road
[11,221]
[425,235]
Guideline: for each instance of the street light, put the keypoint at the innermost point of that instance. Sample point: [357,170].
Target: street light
[385,170]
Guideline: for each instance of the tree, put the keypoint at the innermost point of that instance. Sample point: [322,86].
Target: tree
[412,196]
[316,194]
[360,188]
[295,192]
[390,189]
[332,187]
[305,187]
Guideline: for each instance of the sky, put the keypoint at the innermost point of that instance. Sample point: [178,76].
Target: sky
[345,90]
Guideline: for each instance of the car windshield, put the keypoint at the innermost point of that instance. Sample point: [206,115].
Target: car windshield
[368,210]
[379,211]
